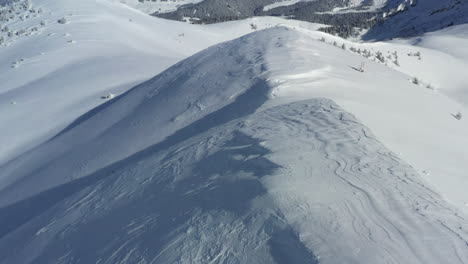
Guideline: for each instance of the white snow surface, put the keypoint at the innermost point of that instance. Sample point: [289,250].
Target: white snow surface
[446,61]
[407,18]
[427,136]
[283,3]
[234,158]
[105,47]
[270,148]
[157,6]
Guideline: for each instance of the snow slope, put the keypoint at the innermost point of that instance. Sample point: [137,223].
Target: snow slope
[427,136]
[232,157]
[105,47]
[282,3]
[69,67]
[411,18]
[446,60]
[157,6]
[235,147]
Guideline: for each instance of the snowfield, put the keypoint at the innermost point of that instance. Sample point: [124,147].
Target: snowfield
[282,3]
[446,56]
[132,139]
[68,67]
[421,128]
[228,167]
[157,6]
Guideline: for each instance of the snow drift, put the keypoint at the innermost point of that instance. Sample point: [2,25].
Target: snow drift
[230,157]
[104,47]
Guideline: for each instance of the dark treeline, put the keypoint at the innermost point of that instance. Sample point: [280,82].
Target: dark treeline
[214,11]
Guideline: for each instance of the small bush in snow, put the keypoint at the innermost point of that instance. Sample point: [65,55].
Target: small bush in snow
[415,54]
[108,96]
[62,20]
[395,58]
[458,116]
[418,54]
[20,32]
[253,26]
[361,67]
[415,80]
[379,56]
[366,53]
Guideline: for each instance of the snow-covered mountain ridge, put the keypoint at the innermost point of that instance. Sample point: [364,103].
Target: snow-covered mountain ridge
[286,145]
[236,164]
[69,67]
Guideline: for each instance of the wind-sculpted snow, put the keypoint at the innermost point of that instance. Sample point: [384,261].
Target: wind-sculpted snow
[303,182]
[103,49]
[146,115]
[338,184]
[231,157]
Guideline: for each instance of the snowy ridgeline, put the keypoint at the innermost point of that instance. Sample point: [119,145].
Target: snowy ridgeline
[103,49]
[386,57]
[299,183]
[231,165]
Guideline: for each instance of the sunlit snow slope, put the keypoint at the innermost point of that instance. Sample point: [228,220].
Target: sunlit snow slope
[232,156]
[157,6]
[102,48]
[414,120]
[51,73]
